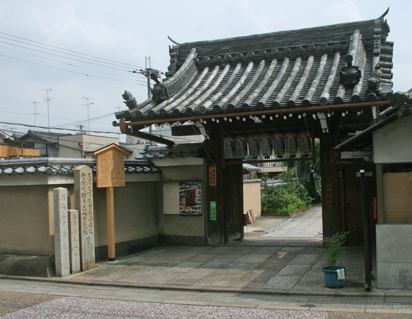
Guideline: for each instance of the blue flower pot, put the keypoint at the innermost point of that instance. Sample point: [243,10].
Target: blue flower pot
[331,278]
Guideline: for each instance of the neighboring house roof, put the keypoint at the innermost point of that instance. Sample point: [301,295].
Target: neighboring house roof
[401,105]
[5,135]
[251,168]
[178,150]
[42,136]
[288,69]
[66,166]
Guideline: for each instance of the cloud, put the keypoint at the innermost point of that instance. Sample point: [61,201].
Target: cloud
[343,11]
[64,24]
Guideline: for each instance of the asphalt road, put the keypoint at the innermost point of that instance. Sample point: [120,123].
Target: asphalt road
[26,299]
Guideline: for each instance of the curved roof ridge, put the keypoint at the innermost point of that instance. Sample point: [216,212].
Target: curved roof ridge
[245,37]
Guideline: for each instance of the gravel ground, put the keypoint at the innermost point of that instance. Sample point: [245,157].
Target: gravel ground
[13,301]
[353,315]
[75,307]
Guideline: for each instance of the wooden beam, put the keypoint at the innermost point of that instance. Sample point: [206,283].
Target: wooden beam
[125,129]
[185,130]
[294,159]
[301,110]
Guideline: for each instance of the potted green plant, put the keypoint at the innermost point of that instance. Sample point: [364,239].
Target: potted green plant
[334,274]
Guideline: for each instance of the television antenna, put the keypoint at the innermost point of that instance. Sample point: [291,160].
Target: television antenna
[35,111]
[48,109]
[88,103]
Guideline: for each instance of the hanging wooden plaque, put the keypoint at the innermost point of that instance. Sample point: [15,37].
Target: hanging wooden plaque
[212,176]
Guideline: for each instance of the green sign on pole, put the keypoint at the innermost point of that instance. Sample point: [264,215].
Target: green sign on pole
[213,210]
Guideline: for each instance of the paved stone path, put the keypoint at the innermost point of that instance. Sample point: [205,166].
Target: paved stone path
[236,267]
[306,224]
[302,229]
[240,266]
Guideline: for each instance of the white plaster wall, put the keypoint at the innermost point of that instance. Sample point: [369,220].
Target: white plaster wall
[389,142]
[394,256]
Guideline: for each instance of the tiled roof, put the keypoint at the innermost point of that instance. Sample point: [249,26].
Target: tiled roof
[43,136]
[65,166]
[401,106]
[5,135]
[251,168]
[176,151]
[298,68]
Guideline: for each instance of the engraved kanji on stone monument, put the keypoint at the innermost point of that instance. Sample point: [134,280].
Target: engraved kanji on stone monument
[83,188]
[61,232]
[74,241]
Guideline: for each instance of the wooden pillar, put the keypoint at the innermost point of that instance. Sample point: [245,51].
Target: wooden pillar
[330,186]
[110,224]
[233,203]
[214,194]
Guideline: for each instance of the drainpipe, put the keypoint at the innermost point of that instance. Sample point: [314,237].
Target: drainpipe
[366,235]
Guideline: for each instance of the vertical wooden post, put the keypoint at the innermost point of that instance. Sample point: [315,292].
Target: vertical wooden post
[110,223]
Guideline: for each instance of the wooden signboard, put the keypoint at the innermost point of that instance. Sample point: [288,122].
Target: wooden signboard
[110,166]
[110,173]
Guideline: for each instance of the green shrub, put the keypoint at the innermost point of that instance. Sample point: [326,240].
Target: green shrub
[285,198]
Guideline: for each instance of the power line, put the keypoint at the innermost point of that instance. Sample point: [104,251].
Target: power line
[58,118]
[91,119]
[51,46]
[53,67]
[106,66]
[69,64]
[58,128]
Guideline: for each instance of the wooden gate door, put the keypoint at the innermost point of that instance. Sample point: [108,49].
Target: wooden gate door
[353,203]
[233,203]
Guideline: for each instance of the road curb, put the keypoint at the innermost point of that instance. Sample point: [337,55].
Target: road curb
[332,293]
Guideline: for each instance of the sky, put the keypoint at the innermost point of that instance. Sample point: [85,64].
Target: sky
[83,53]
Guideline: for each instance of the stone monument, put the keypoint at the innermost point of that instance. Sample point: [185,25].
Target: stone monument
[61,232]
[83,189]
[74,241]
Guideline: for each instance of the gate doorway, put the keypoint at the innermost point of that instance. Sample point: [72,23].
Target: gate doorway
[271,224]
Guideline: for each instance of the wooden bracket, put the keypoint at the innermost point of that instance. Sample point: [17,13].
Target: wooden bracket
[125,129]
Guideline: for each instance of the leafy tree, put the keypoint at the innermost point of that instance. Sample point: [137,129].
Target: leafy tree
[284,198]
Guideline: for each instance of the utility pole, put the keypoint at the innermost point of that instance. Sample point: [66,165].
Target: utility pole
[35,111]
[146,72]
[48,109]
[148,68]
[88,103]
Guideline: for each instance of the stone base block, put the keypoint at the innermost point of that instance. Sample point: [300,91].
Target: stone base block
[21,265]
